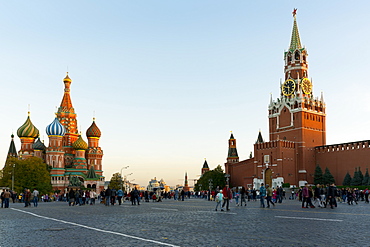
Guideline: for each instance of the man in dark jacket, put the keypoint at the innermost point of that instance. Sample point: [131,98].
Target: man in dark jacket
[331,194]
[108,194]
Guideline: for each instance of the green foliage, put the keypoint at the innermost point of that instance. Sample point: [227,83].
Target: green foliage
[28,173]
[366,180]
[357,178]
[347,180]
[218,179]
[116,181]
[286,185]
[327,177]
[318,176]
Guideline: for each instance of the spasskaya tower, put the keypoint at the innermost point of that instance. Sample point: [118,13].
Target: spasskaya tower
[297,115]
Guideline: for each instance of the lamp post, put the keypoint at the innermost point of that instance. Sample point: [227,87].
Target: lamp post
[126,181]
[227,176]
[122,175]
[210,188]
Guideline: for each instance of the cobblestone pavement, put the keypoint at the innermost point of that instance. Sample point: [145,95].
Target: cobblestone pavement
[192,222]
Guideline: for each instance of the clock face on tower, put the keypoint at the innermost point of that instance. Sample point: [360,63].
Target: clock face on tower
[306,86]
[288,87]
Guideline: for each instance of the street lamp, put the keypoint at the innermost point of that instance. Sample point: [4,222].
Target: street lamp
[124,168]
[126,181]
[122,175]
[210,188]
[227,176]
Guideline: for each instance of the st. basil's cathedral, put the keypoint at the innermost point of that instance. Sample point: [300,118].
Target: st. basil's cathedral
[68,154]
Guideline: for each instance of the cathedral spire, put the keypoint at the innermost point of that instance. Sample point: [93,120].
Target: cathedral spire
[12,150]
[295,42]
[66,101]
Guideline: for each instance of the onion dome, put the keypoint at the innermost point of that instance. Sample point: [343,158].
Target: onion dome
[28,129]
[38,145]
[55,128]
[67,79]
[93,130]
[79,144]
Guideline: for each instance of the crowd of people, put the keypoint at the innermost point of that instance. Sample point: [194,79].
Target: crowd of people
[329,196]
[309,196]
[27,197]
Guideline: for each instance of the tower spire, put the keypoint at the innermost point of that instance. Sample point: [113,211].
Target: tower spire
[232,156]
[295,42]
[12,150]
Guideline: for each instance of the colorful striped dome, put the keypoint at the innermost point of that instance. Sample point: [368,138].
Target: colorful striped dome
[55,128]
[28,129]
[80,144]
[67,79]
[93,130]
[38,145]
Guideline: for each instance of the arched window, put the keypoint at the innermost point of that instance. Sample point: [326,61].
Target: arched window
[297,55]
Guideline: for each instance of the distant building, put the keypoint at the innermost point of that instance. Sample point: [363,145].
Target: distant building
[205,167]
[154,183]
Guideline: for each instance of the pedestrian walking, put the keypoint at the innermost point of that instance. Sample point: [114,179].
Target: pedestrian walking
[2,198]
[6,198]
[27,198]
[332,191]
[227,197]
[107,196]
[262,195]
[119,196]
[71,197]
[306,196]
[219,199]
[269,196]
[242,197]
[92,197]
[35,195]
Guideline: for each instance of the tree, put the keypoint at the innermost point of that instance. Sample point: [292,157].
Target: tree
[318,176]
[218,179]
[360,175]
[328,178]
[29,173]
[365,181]
[347,180]
[357,179]
[116,181]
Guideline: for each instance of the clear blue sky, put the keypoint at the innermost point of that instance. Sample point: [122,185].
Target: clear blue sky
[169,80]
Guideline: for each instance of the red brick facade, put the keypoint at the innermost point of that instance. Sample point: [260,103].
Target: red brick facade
[297,133]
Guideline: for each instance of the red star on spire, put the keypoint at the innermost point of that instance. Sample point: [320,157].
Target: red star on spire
[294,12]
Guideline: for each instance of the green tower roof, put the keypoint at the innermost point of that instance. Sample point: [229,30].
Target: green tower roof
[91,175]
[12,150]
[295,42]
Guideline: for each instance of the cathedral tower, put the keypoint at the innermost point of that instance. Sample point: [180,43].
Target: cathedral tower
[55,153]
[39,149]
[68,118]
[94,154]
[79,161]
[27,133]
[12,150]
